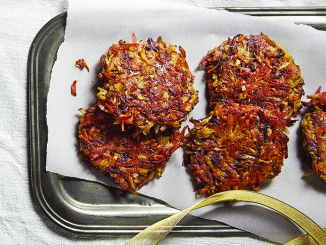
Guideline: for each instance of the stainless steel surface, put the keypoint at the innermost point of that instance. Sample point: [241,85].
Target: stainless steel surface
[84,206]
[313,16]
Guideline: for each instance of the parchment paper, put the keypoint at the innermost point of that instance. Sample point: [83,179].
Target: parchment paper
[92,26]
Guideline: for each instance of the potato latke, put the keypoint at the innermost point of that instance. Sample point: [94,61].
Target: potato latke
[147,84]
[314,132]
[235,147]
[130,161]
[254,70]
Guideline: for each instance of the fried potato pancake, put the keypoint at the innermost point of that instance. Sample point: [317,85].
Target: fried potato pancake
[235,147]
[146,84]
[254,70]
[130,161]
[314,132]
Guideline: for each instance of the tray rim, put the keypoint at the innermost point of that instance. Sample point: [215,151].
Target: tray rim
[35,176]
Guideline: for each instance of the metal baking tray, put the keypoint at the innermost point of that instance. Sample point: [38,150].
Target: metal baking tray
[88,207]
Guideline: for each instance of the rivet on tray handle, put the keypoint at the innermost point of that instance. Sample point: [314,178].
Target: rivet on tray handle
[156,232]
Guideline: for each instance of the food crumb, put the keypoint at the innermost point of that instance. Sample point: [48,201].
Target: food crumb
[73,88]
[82,64]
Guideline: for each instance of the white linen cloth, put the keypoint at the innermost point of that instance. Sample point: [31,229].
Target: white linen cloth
[21,219]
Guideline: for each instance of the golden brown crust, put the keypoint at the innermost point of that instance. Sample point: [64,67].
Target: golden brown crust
[130,161]
[146,84]
[235,147]
[254,70]
[314,133]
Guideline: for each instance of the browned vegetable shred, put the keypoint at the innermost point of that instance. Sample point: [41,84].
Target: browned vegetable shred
[314,132]
[74,88]
[81,63]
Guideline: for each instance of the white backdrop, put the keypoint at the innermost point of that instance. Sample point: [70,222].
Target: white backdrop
[21,219]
